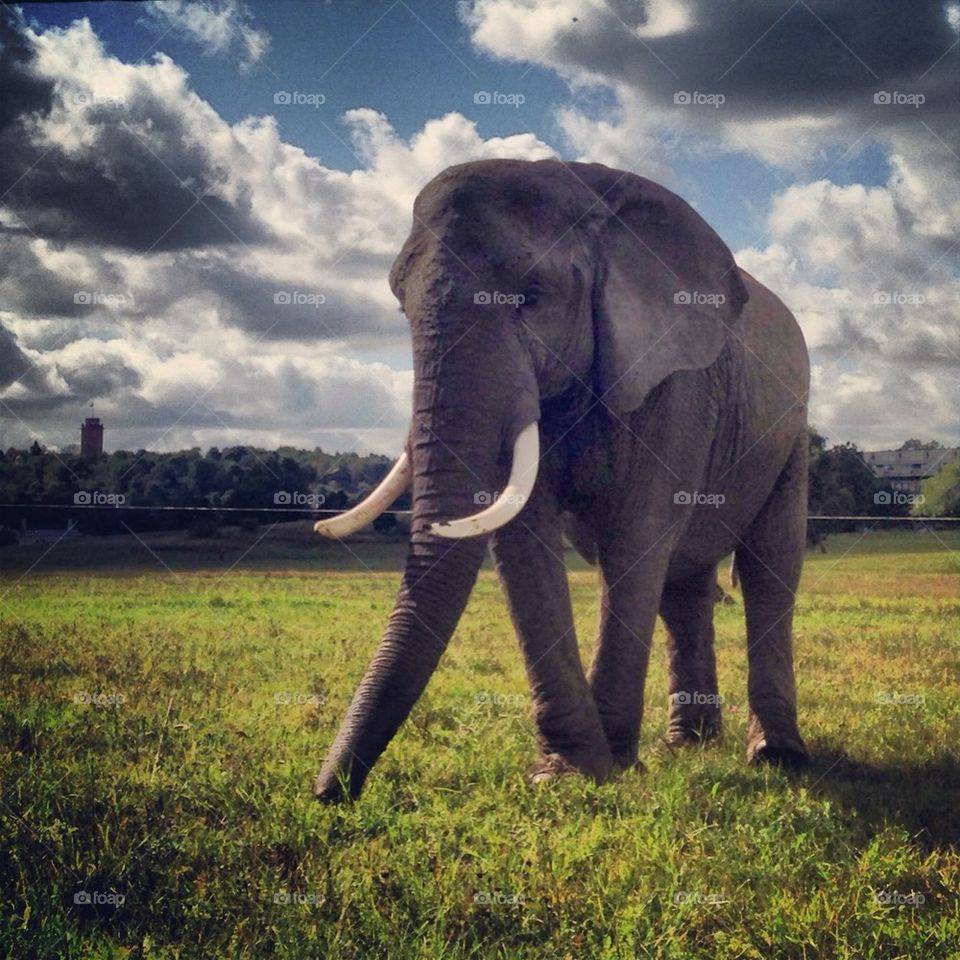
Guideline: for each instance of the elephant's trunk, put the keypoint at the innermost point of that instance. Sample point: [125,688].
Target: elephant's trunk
[465,421]
[437,581]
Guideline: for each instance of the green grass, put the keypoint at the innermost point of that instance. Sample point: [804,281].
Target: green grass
[184,788]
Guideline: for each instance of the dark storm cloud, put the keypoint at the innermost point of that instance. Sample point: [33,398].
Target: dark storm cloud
[44,337]
[141,182]
[774,57]
[64,381]
[30,289]
[137,413]
[100,378]
[14,363]
[290,311]
[62,414]
[332,399]
[267,308]
[24,92]
[132,193]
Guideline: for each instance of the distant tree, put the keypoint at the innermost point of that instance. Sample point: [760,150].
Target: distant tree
[914,444]
[205,477]
[237,476]
[841,484]
[816,443]
[941,493]
[371,473]
[340,477]
[386,524]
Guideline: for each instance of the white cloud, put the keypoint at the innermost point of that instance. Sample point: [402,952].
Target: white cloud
[218,26]
[870,276]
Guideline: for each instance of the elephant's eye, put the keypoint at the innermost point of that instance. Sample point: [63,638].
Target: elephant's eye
[531,295]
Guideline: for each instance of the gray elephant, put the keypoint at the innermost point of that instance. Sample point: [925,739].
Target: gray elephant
[585,344]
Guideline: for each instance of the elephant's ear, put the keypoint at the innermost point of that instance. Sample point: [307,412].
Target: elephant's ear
[668,290]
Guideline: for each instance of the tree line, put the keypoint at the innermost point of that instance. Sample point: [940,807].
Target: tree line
[264,481]
[260,482]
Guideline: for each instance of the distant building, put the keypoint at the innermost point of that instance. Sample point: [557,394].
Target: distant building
[91,438]
[905,469]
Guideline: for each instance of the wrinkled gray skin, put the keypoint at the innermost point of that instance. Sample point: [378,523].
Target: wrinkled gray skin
[640,398]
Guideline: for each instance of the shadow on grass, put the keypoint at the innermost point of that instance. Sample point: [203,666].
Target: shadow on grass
[923,798]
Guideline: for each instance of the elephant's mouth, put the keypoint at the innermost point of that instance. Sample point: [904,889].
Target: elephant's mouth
[505,507]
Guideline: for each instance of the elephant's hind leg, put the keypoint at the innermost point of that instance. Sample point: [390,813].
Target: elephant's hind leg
[687,609]
[769,561]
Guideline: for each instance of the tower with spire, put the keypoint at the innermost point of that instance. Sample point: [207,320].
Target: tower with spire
[91,438]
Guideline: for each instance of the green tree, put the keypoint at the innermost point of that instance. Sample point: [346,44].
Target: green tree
[941,493]
[841,484]
[914,444]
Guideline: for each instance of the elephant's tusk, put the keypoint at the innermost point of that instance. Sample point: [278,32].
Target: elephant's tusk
[392,485]
[523,475]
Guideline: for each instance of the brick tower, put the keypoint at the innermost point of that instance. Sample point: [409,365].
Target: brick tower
[91,438]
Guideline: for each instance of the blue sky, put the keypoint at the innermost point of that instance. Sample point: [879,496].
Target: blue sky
[188,215]
[410,61]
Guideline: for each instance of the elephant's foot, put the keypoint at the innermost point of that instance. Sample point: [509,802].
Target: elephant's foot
[776,739]
[548,769]
[552,766]
[690,730]
[790,753]
[627,761]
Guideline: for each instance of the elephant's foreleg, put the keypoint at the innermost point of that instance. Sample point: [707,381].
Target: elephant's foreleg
[628,612]
[769,560]
[687,610]
[529,557]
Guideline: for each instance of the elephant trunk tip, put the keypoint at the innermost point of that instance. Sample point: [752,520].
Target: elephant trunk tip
[331,790]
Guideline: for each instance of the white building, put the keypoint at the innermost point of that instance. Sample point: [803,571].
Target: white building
[904,469]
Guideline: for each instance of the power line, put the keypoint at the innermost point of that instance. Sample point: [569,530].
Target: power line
[394,513]
[890,519]
[126,506]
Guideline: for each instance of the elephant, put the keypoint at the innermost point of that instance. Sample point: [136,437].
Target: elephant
[589,361]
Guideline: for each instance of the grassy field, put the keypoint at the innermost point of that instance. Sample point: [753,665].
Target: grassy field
[159,730]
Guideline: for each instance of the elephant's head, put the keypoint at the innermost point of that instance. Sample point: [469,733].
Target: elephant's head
[520,280]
